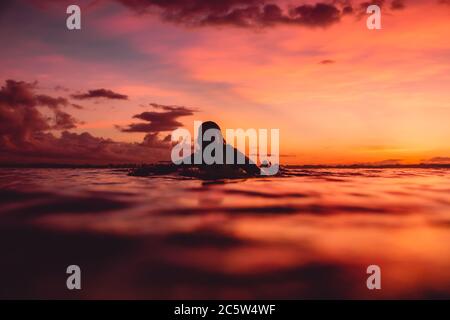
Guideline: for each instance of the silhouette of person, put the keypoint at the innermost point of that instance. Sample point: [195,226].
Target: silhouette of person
[248,166]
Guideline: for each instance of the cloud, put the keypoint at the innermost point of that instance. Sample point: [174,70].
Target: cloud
[152,140]
[387,162]
[379,3]
[347,9]
[397,5]
[19,114]
[77,106]
[438,160]
[320,14]
[167,120]
[241,13]
[363,5]
[251,13]
[19,93]
[327,61]
[64,121]
[51,102]
[360,9]
[100,93]
[61,88]
[74,148]
[26,133]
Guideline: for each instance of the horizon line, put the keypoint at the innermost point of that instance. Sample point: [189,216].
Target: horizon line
[134,165]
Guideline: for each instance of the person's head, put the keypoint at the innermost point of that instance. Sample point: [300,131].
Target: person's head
[205,126]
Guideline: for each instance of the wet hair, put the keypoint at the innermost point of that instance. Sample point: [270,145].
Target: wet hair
[205,126]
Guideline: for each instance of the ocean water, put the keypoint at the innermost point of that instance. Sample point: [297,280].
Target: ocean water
[310,234]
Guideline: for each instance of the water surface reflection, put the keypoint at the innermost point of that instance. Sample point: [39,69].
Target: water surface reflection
[310,234]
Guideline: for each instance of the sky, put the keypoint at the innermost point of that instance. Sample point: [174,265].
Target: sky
[113,91]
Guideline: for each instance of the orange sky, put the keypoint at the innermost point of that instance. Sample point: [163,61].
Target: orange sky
[383,95]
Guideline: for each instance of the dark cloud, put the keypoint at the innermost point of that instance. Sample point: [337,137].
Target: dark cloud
[327,61]
[77,106]
[51,102]
[167,120]
[20,117]
[347,9]
[251,13]
[360,8]
[363,5]
[397,5]
[64,121]
[21,94]
[387,162]
[5,5]
[26,133]
[320,14]
[152,140]
[100,93]
[183,8]
[242,13]
[61,88]
[74,148]
[438,160]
